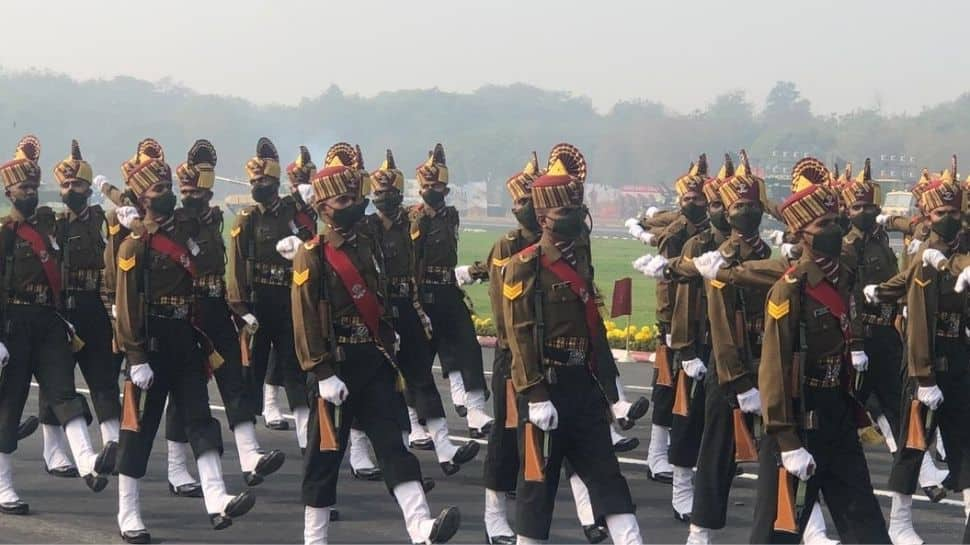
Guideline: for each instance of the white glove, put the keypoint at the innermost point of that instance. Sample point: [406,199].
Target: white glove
[708,264]
[114,311]
[142,375]
[871,294]
[750,401]
[931,396]
[668,339]
[620,409]
[788,250]
[881,219]
[798,462]
[397,342]
[694,368]
[641,261]
[651,212]
[777,237]
[860,360]
[655,267]
[126,215]
[905,313]
[306,193]
[4,356]
[913,246]
[288,246]
[99,182]
[933,258]
[630,223]
[963,280]
[544,415]
[463,275]
[252,324]
[333,390]
[646,238]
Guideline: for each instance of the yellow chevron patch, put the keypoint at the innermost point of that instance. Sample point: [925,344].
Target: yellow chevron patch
[415,234]
[778,310]
[126,264]
[300,277]
[114,229]
[500,262]
[717,284]
[512,291]
[922,283]
[235,232]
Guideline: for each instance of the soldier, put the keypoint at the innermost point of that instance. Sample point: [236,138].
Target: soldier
[337,302]
[936,384]
[434,232]
[81,239]
[551,321]
[164,351]
[259,278]
[810,420]
[35,340]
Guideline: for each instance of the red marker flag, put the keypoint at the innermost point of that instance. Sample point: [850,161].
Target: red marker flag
[622,298]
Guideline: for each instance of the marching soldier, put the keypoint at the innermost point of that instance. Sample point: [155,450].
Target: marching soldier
[165,352]
[936,392]
[35,340]
[550,320]
[80,236]
[259,278]
[810,420]
[345,342]
[434,232]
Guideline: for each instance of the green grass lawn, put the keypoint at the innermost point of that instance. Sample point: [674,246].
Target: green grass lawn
[611,258]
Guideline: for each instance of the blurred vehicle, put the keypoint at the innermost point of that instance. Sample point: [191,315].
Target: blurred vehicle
[899,203]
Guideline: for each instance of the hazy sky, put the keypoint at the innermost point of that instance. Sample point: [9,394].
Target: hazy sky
[842,54]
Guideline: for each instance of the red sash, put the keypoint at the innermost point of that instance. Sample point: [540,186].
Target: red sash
[173,250]
[364,299]
[303,220]
[39,246]
[577,285]
[826,294]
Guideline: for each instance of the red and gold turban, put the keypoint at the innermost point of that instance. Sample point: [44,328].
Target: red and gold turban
[23,166]
[941,193]
[266,163]
[744,185]
[74,167]
[388,176]
[302,169]
[146,168]
[520,185]
[333,181]
[862,189]
[435,169]
[808,171]
[562,182]
[199,168]
[808,205]
[695,178]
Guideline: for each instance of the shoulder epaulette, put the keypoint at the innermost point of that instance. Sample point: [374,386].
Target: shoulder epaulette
[789,278]
[312,243]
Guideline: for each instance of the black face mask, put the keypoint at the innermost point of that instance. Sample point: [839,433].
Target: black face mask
[864,221]
[195,205]
[388,202]
[75,201]
[746,221]
[694,212]
[947,227]
[569,226]
[433,198]
[719,221]
[829,241]
[526,216]
[163,205]
[26,206]
[345,218]
[264,194]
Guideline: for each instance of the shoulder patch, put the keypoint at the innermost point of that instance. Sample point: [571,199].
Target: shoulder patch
[922,283]
[512,291]
[778,310]
[717,284]
[114,229]
[126,264]
[235,231]
[500,262]
[300,277]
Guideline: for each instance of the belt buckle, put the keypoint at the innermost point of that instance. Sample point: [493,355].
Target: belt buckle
[550,373]
[810,421]
[41,298]
[180,312]
[576,357]
[403,288]
[215,290]
[360,330]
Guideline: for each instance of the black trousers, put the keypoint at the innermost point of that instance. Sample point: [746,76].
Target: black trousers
[662,397]
[502,453]
[951,417]
[180,375]
[686,431]
[582,438]
[275,333]
[37,341]
[715,464]
[884,381]
[414,359]
[454,340]
[370,382]
[98,365]
[841,474]
[215,322]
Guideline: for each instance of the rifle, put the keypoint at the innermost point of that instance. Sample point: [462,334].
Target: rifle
[7,265]
[745,442]
[535,460]
[329,429]
[245,337]
[133,405]
[790,507]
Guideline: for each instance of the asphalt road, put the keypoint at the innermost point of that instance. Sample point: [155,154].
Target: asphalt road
[65,511]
